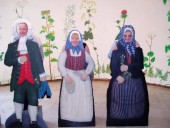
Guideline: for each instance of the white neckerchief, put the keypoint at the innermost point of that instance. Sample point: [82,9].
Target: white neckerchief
[75,53]
[22,45]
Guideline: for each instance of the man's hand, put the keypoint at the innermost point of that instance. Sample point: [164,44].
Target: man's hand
[23,59]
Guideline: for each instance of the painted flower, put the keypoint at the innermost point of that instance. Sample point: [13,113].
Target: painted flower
[124,14]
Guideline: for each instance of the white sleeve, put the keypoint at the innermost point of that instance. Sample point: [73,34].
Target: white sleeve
[90,63]
[42,75]
[61,64]
[111,49]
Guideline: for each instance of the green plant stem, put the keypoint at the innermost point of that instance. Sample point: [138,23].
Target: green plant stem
[97,56]
[123,22]
[49,57]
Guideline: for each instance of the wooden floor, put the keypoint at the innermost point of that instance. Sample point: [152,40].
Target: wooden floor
[159,97]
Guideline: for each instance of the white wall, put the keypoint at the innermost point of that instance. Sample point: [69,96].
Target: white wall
[147,17]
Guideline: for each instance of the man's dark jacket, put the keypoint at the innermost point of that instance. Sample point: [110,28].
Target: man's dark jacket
[11,59]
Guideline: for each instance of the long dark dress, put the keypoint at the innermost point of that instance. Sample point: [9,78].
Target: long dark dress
[127,103]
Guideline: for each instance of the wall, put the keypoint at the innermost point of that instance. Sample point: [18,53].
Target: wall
[149,18]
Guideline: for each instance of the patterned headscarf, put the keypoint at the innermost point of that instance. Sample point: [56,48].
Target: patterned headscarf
[69,45]
[130,46]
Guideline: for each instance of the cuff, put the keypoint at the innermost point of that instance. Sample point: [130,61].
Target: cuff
[19,60]
[42,75]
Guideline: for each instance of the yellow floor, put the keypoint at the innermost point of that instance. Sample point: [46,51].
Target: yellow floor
[159,116]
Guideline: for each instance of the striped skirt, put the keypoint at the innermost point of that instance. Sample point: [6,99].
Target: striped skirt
[126,103]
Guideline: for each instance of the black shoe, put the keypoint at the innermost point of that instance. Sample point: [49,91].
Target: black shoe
[34,125]
[16,124]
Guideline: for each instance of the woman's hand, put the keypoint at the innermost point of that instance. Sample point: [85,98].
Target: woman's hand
[120,79]
[137,45]
[115,48]
[124,68]
[68,79]
[84,76]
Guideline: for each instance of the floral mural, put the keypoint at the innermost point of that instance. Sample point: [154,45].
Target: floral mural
[89,7]
[69,22]
[86,14]
[49,45]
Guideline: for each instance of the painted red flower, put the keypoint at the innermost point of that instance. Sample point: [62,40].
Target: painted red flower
[124,12]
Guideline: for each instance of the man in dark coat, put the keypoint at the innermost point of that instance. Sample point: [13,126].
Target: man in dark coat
[27,73]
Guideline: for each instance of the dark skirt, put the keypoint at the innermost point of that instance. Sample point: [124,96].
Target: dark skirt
[67,123]
[127,103]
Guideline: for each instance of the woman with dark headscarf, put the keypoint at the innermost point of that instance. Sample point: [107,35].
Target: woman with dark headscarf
[127,95]
[76,105]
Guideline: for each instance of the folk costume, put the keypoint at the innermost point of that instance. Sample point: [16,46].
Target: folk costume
[25,77]
[127,103]
[76,101]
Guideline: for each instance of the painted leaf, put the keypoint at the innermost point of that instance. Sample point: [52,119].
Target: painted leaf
[145,59]
[118,27]
[146,65]
[90,15]
[48,52]
[164,1]
[46,44]
[153,59]
[103,69]
[53,60]
[1,55]
[43,17]
[150,54]
[88,11]
[91,2]
[50,20]
[50,37]
[108,69]
[95,48]
[93,10]
[117,37]
[83,17]
[87,22]
[117,21]
[167,48]
[168,14]
[93,25]
[150,73]
[55,47]
[168,18]
[158,72]
[42,31]
[169,62]
[87,35]
[165,76]
[123,16]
